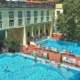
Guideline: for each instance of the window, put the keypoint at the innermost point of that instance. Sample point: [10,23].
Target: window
[58,12]
[0,24]
[28,34]
[11,22]
[2,35]
[28,14]
[19,21]
[35,20]
[0,15]
[35,13]
[0,21]
[37,32]
[40,30]
[19,14]
[11,14]
[47,13]
[42,13]
[28,21]
[47,32]
[47,18]
[42,19]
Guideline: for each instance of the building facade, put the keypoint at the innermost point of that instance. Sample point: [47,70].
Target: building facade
[58,10]
[25,19]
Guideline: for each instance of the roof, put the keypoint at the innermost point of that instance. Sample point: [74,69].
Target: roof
[51,0]
[32,1]
[37,1]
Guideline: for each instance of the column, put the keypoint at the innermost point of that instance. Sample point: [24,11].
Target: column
[44,28]
[32,31]
[51,25]
[38,29]
[6,34]
[24,36]
[24,29]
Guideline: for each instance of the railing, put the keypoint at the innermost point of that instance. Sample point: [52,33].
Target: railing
[17,4]
[41,39]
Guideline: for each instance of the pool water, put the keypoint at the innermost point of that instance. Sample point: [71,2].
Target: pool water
[62,45]
[20,68]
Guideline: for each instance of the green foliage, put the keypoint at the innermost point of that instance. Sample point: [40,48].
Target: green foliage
[42,0]
[48,56]
[59,1]
[2,0]
[69,21]
[11,42]
[61,59]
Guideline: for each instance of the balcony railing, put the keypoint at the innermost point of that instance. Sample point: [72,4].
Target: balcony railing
[17,4]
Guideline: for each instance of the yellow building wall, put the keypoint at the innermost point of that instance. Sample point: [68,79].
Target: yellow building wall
[18,30]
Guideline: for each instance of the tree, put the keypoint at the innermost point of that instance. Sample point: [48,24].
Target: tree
[48,56]
[2,0]
[61,59]
[43,0]
[59,1]
[69,21]
[11,42]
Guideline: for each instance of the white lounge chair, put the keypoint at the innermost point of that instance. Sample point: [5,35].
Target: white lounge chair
[78,63]
[46,48]
[64,58]
[71,60]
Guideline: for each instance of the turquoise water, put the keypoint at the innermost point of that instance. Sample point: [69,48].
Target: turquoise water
[62,45]
[20,68]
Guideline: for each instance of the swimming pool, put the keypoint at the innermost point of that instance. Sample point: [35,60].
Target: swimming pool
[62,45]
[20,68]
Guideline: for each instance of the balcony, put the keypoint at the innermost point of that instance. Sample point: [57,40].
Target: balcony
[17,4]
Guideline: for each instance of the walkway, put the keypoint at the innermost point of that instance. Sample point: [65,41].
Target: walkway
[52,55]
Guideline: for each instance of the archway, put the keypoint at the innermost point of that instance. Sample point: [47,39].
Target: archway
[1,45]
[47,32]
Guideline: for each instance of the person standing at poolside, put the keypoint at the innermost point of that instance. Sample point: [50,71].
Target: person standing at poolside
[35,59]
[26,46]
[58,65]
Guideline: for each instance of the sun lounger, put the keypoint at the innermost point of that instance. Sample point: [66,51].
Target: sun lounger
[78,63]
[69,60]
[45,55]
[64,58]
[46,48]
[39,46]
[51,49]
[56,50]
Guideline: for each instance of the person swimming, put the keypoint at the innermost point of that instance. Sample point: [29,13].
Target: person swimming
[6,69]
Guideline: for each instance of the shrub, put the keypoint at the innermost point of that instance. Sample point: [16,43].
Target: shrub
[11,42]
[61,59]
